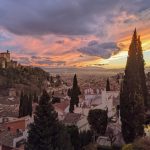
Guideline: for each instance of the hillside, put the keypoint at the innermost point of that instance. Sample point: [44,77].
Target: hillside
[22,78]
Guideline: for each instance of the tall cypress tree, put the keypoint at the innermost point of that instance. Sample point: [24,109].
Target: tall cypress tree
[25,106]
[47,133]
[131,96]
[142,72]
[21,105]
[30,105]
[108,85]
[74,94]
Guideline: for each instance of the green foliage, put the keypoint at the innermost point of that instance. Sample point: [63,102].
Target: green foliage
[131,97]
[47,133]
[27,76]
[128,147]
[139,144]
[74,93]
[98,120]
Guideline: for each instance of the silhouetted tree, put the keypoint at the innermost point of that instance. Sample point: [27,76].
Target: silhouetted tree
[98,121]
[47,133]
[35,98]
[21,104]
[30,105]
[141,64]
[25,107]
[74,94]
[74,135]
[108,85]
[131,96]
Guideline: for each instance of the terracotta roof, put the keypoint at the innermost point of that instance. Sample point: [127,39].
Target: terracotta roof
[72,118]
[62,105]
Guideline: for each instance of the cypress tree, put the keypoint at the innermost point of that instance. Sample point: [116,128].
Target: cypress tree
[47,133]
[142,72]
[30,105]
[74,94]
[108,85]
[25,105]
[131,96]
[21,105]
[35,98]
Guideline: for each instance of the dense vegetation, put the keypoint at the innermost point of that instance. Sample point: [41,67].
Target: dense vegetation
[98,121]
[29,77]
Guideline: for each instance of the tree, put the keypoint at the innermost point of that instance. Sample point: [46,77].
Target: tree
[131,96]
[35,98]
[74,135]
[21,105]
[108,85]
[47,133]
[85,138]
[98,121]
[141,63]
[74,93]
[30,105]
[25,107]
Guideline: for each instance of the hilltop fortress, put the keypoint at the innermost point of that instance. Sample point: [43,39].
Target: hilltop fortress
[6,62]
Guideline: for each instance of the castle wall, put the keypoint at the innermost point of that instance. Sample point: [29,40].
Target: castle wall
[5,61]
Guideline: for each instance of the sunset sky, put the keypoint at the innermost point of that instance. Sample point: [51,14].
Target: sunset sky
[73,33]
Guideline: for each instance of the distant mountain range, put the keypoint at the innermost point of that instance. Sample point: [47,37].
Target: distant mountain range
[87,70]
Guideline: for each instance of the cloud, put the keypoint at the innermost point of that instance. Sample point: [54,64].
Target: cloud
[39,61]
[36,17]
[103,50]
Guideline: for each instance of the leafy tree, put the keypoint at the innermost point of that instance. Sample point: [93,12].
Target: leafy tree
[47,133]
[108,85]
[98,121]
[74,94]
[131,96]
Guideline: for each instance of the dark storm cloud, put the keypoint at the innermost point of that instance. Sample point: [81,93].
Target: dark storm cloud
[66,17]
[103,50]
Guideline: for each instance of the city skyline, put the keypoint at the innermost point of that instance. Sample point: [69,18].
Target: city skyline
[80,34]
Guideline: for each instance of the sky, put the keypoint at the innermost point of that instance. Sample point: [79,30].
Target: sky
[73,33]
